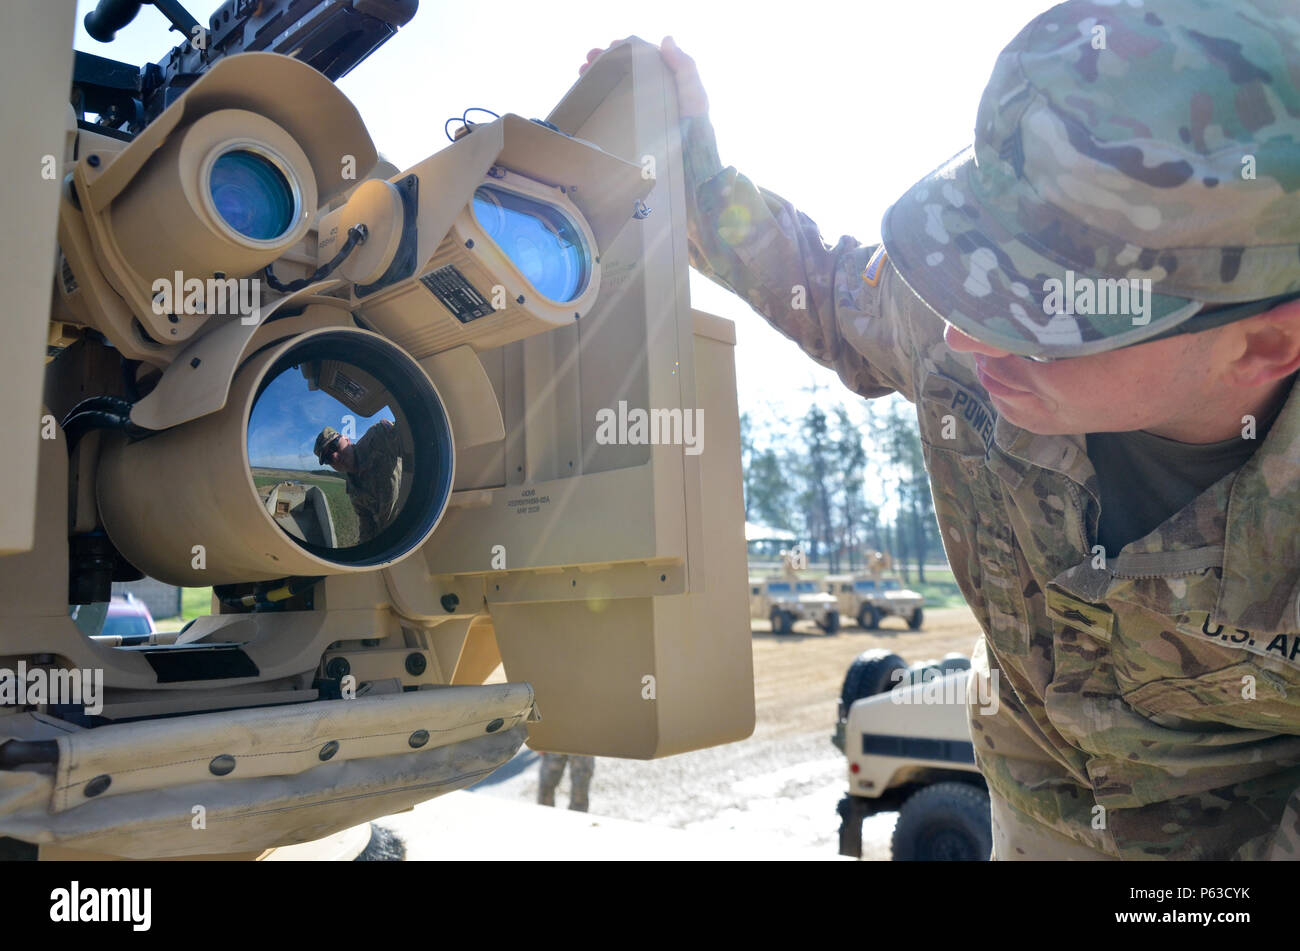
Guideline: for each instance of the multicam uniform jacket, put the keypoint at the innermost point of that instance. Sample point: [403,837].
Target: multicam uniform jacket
[1162,685]
[373,489]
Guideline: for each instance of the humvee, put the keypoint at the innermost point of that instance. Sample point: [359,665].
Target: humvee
[907,752]
[301,510]
[783,601]
[870,598]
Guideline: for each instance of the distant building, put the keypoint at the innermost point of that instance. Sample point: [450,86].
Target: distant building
[765,542]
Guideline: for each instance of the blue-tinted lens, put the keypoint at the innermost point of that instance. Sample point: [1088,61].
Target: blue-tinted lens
[252,195]
[537,238]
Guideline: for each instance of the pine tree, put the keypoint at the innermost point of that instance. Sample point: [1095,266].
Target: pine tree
[852,461]
[819,485]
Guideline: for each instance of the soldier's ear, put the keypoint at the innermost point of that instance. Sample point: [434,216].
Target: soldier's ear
[1268,346]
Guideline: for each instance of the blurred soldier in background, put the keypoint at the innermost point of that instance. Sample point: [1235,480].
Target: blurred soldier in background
[580,771]
[1094,310]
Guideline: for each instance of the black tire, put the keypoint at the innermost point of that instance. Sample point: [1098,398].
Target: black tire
[782,621]
[952,662]
[922,672]
[926,670]
[868,617]
[832,624]
[871,672]
[916,620]
[946,822]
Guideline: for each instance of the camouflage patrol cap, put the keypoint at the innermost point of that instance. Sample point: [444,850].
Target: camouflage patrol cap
[325,441]
[1116,144]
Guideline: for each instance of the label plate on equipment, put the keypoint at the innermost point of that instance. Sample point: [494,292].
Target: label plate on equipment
[457,294]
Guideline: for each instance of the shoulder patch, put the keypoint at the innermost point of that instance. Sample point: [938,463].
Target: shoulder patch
[875,267]
[953,400]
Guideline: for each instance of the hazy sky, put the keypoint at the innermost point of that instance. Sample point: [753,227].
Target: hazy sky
[837,106]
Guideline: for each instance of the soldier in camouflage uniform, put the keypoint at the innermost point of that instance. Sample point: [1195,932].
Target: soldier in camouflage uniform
[1118,488]
[581,769]
[373,469]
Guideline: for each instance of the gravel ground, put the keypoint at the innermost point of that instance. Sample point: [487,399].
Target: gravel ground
[781,784]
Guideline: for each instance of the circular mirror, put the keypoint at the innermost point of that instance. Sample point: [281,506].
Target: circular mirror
[349,449]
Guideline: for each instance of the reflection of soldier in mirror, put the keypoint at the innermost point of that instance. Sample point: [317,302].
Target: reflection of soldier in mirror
[372,467]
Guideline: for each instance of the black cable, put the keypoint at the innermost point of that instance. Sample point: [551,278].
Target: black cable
[105,402]
[357,234]
[464,120]
[97,412]
[77,425]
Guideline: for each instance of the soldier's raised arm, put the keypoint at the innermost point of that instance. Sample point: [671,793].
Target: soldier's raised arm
[386,439]
[366,526]
[844,305]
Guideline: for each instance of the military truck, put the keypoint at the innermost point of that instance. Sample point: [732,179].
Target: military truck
[300,510]
[785,601]
[870,599]
[905,734]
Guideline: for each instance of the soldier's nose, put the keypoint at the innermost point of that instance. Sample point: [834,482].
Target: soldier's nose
[964,343]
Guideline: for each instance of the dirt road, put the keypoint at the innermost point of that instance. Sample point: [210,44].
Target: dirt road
[784,781]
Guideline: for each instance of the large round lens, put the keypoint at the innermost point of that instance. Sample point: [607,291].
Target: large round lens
[252,195]
[350,453]
[538,239]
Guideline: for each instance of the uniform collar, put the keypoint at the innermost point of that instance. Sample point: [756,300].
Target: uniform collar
[1059,453]
[1261,559]
[1247,525]
[1064,455]
[1260,590]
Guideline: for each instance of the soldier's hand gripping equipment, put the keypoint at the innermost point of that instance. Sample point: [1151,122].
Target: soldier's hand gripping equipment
[494,298]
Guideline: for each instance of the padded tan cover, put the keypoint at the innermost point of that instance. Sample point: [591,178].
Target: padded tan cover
[280,791]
